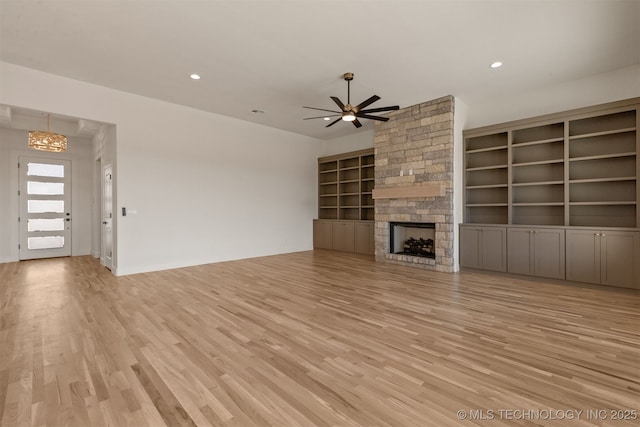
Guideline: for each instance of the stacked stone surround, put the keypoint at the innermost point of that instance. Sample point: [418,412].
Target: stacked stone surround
[417,138]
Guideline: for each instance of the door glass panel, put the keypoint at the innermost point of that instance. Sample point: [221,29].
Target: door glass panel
[42,224]
[43,169]
[45,206]
[45,242]
[45,188]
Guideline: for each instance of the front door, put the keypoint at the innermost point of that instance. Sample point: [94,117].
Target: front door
[45,208]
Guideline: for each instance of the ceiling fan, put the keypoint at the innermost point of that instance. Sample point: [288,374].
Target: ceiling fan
[349,113]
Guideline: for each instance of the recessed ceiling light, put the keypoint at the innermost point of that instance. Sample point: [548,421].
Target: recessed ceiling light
[256,111]
[327,119]
[496,64]
[195,76]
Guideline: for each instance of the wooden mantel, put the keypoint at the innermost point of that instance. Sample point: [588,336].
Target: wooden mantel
[415,191]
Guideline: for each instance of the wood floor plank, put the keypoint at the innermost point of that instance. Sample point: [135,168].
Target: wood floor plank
[315,338]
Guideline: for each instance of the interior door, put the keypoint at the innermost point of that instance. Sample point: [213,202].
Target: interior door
[45,208]
[107,217]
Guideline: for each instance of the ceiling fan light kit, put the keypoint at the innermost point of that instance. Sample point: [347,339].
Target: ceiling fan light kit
[349,113]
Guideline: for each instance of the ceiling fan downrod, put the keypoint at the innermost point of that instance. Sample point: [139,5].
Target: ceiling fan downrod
[348,77]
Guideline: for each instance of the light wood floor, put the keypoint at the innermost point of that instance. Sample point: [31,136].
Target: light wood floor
[309,339]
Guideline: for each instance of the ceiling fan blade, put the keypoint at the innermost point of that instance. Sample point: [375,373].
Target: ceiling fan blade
[334,122]
[338,102]
[321,117]
[369,101]
[322,109]
[367,116]
[381,109]
[356,123]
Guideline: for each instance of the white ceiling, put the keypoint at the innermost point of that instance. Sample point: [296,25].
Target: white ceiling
[279,55]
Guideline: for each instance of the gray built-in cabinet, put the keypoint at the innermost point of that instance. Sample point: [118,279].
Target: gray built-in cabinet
[536,251]
[553,183]
[345,203]
[484,248]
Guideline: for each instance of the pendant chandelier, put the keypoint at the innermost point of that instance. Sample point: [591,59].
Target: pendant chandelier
[47,141]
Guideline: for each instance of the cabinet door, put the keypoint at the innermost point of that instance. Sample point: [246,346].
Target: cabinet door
[364,243]
[322,234]
[583,256]
[548,253]
[520,242]
[493,248]
[470,247]
[619,258]
[343,236]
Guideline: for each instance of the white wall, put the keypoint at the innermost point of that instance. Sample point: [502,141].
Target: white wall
[13,143]
[345,144]
[599,89]
[205,187]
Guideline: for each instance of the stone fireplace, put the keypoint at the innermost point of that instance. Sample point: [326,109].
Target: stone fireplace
[414,180]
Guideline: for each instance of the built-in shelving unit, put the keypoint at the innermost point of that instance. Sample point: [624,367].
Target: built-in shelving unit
[578,168]
[564,190]
[345,186]
[345,203]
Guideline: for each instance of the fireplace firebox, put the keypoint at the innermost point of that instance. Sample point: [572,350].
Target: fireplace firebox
[413,239]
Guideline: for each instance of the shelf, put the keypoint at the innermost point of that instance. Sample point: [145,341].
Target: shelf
[347,181]
[613,179]
[477,187]
[607,132]
[603,156]
[483,205]
[349,207]
[328,207]
[539,204]
[349,194]
[607,203]
[328,195]
[329,183]
[329,171]
[541,162]
[484,168]
[368,166]
[525,184]
[483,150]
[367,179]
[542,141]
[367,206]
[350,168]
